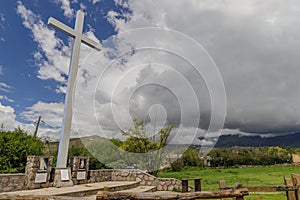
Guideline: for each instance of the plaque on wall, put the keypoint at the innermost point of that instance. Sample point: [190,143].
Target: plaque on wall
[81,175]
[64,173]
[40,178]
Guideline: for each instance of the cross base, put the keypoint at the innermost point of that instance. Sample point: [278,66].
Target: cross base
[62,177]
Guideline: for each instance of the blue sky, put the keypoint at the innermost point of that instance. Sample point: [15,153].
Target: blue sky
[193,63]
[17,47]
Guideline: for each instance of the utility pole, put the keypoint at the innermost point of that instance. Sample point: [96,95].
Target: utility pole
[37,127]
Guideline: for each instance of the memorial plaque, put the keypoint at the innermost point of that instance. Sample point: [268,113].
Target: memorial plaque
[81,175]
[82,164]
[40,178]
[64,173]
[43,164]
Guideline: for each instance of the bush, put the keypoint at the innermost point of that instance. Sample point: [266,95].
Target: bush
[189,158]
[15,147]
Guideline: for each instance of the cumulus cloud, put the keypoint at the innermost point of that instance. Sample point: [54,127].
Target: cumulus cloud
[51,112]
[55,66]
[51,119]
[254,45]
[66,7]
[8,117]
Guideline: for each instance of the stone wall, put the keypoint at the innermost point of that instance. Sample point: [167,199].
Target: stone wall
[145,179]
[14,182]
[11,182]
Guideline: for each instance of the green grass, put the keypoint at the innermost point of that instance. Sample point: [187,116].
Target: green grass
[251,176]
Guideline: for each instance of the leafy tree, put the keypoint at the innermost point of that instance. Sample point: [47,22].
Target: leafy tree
[189,158]
[148,154]
[15,147]
[116,142]
[249,156]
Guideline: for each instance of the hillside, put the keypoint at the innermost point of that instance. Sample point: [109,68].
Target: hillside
[291,140]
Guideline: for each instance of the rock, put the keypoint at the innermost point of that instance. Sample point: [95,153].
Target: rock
[138,179]
[159,188]
[5,180]
[165,188]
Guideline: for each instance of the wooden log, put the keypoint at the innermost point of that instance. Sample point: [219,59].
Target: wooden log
[289,194]
[162,195]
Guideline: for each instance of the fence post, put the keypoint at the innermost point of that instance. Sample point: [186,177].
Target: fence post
[290,195]
[296,183]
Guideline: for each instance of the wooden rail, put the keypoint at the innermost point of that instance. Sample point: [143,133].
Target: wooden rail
[163,195]
[292,187]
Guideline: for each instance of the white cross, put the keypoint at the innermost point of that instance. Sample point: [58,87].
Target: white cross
[68,110]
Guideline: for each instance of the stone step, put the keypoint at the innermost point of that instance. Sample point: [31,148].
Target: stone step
[75,191]
[141,189]
[128,186]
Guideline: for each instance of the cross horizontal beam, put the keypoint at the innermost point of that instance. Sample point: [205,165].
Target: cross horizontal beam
[73,33]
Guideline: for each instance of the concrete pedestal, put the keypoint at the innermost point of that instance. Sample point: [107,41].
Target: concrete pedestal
[62,177]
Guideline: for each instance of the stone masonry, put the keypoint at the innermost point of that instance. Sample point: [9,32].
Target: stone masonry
[11,182]
[145,179]
[32,169]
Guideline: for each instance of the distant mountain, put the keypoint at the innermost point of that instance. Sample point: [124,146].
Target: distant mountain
[291,140]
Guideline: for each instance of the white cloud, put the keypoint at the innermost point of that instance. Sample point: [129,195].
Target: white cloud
[258,61]
[5,87]
[256,58]
[51,113]
[55,66]
[2,27]
[66,7]
[61,89]
[7,117]
[95,1]
[2,21]
[5,98]
[82,6]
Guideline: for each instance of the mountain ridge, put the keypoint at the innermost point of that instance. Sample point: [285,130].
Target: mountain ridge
[290,140]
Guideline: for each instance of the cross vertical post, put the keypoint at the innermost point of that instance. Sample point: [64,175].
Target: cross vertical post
[74,63]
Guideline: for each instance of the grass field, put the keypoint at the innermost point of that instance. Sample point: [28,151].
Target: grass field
[252,176]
